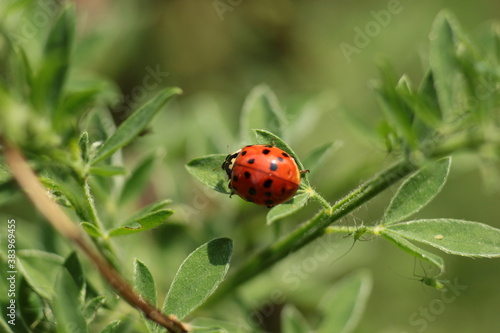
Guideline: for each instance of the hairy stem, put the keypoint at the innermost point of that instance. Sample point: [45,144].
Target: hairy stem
[314,228]
[35,191]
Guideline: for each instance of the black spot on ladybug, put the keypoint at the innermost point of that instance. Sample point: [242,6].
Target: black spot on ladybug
[266,151]
[235,178]
[248,199]
[280,159]
[251,161]
[269,202]
[285,154]
[273,166]
[243,153]
[283,190]
[268,183]
[247,175]
[252,191]
[268,194]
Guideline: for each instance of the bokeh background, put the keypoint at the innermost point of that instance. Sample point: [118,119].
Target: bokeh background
[217,51]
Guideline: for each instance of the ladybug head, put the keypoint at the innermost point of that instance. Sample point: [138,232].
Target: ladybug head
[228,163]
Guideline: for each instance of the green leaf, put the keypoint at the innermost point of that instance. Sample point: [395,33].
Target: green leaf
[156,206]
[144,283]
[413,249]
[345,303]
[319,154]
[107,170]
[198,277]
[208,171]
[137,180]
[90,309]
[265,137]
[459,237]
[74,267]
[112,327]
[51,77]
[292,321]
[261,109]
[66,304]
[91,229]
[417,191]
[134,124]
[443,62]
[40,269]
[288,208]
[147,222]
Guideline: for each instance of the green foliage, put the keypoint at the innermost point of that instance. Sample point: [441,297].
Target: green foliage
[62,117]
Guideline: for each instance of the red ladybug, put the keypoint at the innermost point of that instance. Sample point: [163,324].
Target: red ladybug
[262,174]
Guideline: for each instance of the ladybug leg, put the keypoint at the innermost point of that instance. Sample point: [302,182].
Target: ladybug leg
[303,172]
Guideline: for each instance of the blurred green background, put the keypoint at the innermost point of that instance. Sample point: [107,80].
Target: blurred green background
[294,47]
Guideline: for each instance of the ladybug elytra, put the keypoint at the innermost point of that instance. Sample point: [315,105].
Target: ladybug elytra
[262,174]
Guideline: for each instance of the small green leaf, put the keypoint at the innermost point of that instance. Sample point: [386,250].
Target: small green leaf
[459,237]
[443,62]
[208,171]
[91,230]
[144,283]
[137,180]
[292,321]
[83,143]
[417,191]
[198,277]
[40,269]
[413,249]
[51,77]
[261,109]
[112,327]
[266,137]
[66,304]
[147,222]
[74,267]
[107,170]
[135,124]
[318,155]
[156,206]
[344,304]
[90,309]
[288,208]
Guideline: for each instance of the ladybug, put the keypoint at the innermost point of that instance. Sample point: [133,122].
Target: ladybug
[262,174]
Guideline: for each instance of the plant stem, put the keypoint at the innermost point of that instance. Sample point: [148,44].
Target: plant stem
[314,228]
[35,191]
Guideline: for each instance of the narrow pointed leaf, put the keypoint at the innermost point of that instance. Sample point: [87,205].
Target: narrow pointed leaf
[147,222]
[262,110]
[413,249]
[288,208]
[112,327]
[459,237]
[135,124]
[292,321]
[149,209]
[417,191]
[74,268]
[90,309]
[145,285]
[443,62]
[198,277]
[208,171]
[51,77]
[345,303]
[107,170]
[69,317]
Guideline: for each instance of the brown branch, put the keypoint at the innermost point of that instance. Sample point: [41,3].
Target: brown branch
[35,191]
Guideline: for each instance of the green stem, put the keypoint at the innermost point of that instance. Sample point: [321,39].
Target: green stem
[314,228]
[319,198]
